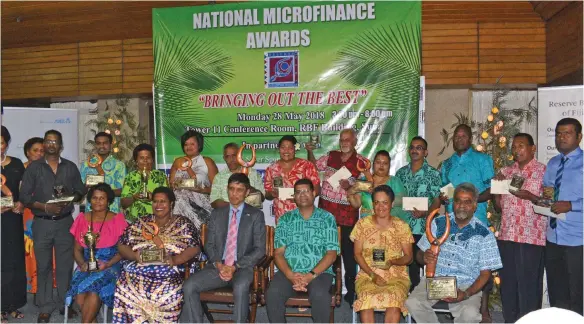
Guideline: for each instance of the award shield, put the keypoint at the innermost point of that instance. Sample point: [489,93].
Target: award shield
[59,192]
[278,182]
[314,138]
[379,258]
[254,199]
[516,182]
[443,286]
[150,231]
[548,197]
[93,161]
[6,200]
[90,238]
[364,166]
[186,183]
[246,165]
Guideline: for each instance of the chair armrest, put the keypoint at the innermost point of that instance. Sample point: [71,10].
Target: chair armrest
[338,280]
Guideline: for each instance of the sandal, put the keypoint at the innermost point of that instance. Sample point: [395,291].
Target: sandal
[16,314]
[44,318]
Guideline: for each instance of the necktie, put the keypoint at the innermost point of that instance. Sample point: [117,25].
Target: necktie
[557,185]
[231,240]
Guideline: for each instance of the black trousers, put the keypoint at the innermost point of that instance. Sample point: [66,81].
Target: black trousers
[521,278]
[348,254]
[563,265]
[415,268]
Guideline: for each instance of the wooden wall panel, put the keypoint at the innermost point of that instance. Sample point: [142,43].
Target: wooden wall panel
[564,45]
[138,66]
[498,57]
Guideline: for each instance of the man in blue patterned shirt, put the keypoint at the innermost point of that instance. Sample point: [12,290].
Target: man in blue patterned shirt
[307,244]
[420,180]
[113,169]
[470,254]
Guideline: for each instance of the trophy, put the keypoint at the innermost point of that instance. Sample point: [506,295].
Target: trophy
[379,260]
[246,165]
[93,161]
[444,286]
[144,183]
[516,182]
[90,238]
[185,163]
[150,231]
[364,166]
[6,200]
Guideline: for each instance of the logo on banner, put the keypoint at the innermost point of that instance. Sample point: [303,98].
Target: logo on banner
[281,69]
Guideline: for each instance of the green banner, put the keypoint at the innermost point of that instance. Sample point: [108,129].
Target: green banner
[255,71]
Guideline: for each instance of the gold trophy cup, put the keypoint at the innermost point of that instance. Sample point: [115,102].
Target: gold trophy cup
[144,183]
[443,286]
[246,165]
[93,161]
[6,200]
[90,238]
[150,231]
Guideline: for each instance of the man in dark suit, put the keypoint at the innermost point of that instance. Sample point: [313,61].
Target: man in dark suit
[236,242]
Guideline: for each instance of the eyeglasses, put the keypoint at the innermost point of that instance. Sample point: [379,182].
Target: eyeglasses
[51,142]
[417,148]
[301,192]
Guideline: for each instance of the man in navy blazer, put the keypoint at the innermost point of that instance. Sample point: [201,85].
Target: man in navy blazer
[236,241]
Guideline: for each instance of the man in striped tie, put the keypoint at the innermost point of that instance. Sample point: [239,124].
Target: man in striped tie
[563,252]
[236,241]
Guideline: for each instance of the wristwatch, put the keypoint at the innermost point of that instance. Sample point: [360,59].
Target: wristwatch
[314,274]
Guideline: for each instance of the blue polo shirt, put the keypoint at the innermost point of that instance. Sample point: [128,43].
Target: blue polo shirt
[466,252]
[471,166]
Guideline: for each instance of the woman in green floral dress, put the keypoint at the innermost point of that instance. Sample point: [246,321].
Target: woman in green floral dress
[135,203]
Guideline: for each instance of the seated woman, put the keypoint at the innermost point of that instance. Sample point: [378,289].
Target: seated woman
[152,292]
[383,249]
[193,203]
[133,201]
[380,176]
[90,289]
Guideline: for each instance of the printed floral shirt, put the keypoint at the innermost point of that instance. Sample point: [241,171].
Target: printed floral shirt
[133,185]
[302,169]
[519,223]
[115,173]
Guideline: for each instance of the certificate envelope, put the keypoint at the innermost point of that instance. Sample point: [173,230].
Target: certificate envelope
[342,174]
[285,193]
[500,187]
[448,190]
[420,203]
[546,211]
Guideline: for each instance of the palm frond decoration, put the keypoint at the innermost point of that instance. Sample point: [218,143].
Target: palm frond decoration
[185,67]
[387,60]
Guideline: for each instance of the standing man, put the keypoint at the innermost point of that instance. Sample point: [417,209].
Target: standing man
[522,234]
[469,253]
[219,196]
[111,168]
[420,180]
[563,251]
[468,165]
[307,245]
[335,200]
[236,243]
[52,222]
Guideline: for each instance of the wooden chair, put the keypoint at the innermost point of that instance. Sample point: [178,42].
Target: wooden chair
[225,295]
[300,299]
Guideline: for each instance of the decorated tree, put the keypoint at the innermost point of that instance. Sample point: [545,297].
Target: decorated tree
[121,124]
[494,137]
